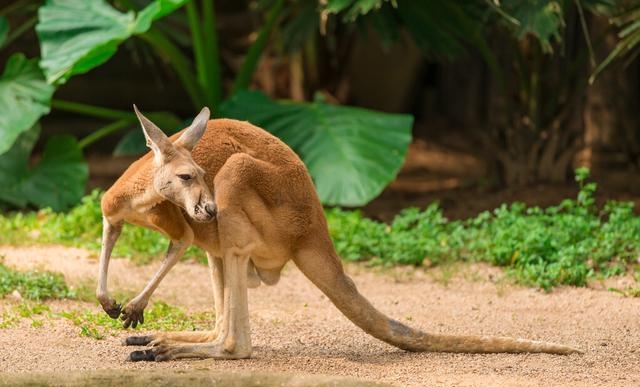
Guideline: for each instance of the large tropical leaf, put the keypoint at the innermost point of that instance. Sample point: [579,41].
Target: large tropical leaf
[57,181]
[541,18]
[78,35]
[24,98]
[351,153]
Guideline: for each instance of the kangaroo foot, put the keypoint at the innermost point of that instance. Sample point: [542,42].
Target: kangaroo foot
[167,338]
[171,351]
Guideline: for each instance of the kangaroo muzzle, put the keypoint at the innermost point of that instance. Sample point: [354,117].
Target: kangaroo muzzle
[211,209]
[204,212]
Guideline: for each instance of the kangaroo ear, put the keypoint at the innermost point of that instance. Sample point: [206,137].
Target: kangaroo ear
[156,139]
[194,132]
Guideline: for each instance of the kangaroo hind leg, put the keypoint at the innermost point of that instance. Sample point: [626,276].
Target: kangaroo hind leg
[161,338]
[233,339]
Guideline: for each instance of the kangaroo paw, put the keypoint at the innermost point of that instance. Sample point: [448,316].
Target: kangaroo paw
[132,316]
[112,308]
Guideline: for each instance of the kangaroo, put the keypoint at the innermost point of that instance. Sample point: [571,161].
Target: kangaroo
[247,200]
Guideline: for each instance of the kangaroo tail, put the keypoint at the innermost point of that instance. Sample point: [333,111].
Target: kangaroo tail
[326,272]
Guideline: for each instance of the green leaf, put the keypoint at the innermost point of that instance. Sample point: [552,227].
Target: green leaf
[351,153]
[57,181]
[134,143]
[24,98]
[444,28]
[387,25]
[354,8]
[4,30]
[78,35]
[541,18]
[336,6]
[155,11]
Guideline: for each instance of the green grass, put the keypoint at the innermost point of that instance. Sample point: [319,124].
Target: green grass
[36,287]
[35,311]
[565,244]
[82,227]
[97,325]
[158,317]
[33,285]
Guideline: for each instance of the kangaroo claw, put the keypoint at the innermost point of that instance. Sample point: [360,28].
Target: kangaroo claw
[131,318]
[112,308]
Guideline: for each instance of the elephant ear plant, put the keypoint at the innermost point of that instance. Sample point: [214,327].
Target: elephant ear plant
[352,154]
[75,36]
[58,179]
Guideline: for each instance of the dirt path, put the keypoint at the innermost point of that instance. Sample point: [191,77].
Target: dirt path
[296,329]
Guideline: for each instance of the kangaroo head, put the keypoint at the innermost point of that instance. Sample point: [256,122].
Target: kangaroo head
[176,177]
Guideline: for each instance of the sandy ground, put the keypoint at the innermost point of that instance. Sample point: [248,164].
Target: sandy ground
[296,329]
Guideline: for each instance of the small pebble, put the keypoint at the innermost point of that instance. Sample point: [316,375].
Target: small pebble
[15,295]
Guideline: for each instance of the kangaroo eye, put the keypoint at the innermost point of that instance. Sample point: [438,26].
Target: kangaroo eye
[185,177]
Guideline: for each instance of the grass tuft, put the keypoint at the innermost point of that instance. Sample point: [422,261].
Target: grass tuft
[159,316]
[33,285]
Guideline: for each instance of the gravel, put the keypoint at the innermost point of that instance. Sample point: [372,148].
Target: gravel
[295,329]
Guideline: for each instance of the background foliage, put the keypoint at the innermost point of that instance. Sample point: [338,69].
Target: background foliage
[77,36]
[539,55]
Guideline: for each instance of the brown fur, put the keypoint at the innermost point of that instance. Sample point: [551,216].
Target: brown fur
[267,214]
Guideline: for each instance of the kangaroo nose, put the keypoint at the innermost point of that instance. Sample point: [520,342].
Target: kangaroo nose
[210,208]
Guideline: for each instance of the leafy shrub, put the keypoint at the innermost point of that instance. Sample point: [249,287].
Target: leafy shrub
[564,244]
